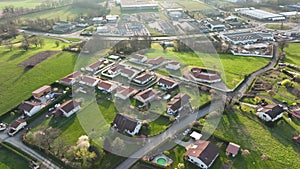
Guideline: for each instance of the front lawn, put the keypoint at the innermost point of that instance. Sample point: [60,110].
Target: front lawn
[10,160]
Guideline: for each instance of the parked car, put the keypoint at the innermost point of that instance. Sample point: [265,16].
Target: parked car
[3,126]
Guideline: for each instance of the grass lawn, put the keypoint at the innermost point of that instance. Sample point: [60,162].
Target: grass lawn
[251,133]
[10,160]
[293,54]
[17,83]
[233,66]
[278,27]
[20,3]
[193,5]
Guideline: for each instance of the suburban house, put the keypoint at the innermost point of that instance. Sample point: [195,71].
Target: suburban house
[115,70]
[107,86]
[138,58]
[173,65]
[16,126]
[124,92]
[296,113]
[128,73]
[232,149]
[178,103]
[296,139]
[126,124]
[71,78]
[42,91]
[144,78]
[67,109]
[95,66]
[270,112]
[89,81]
[166,83]
[202,153]
[155,61]
[29,108]
[205,75]
[147,95]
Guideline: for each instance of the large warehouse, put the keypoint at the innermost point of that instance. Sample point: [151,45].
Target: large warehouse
[248,37]
[260,14]
[129,5]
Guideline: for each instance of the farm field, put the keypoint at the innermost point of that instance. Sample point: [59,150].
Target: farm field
[293,54]
[193,5]
[10,160]
[17,82]
[20,3]
[233,66]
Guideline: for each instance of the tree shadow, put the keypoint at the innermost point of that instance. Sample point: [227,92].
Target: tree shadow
[25,70]
[16,55]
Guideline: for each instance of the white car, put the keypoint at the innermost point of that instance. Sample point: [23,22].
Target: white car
[2,126]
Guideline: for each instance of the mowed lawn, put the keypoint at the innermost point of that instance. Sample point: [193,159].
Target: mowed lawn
[193,5]
[293,54]
[254,135]
[234,67]
[10,160]
[17,83]
[20,3]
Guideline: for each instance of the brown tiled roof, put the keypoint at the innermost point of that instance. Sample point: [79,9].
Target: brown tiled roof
[89,79]
[204,150]
[96,65]
[16,123]
[128,72]
[42,90]
[126,91]
[105,84]
[28,105]
[233,148]
[123,122]
[178,101]
[167,82]
[143,77]
[206,74]
[146,95]
[69,105]
[71,76]
[155,61]
[139,56]
[173,63]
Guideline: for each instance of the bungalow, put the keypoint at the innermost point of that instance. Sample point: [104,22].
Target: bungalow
[166,84]
[128,73]
[107,86]
[29,108]
[67,109]
[173,65]
[89,81]
[115,70]
[144,78]
[155,61]
[42,91]
[296,113]
[95,66]
[205,75]
[16,126]
[202,153]
[124,92]
[147,95]
[138,58]
[71,78]
[232,149]
[178,103]
[270,112]
[126,124]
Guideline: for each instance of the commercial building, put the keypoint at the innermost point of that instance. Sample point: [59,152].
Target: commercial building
[248,37]
[131,5]
[260,14]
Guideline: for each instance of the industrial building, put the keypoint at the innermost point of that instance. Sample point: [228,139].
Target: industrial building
[248,37]
[132,5]
[260,14]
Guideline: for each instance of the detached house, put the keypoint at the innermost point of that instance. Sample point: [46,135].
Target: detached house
[30,108]
[156,61]
[89,81]
[166,84]
[147,95]
[202,153]
[138,58]
[144,78]
[270,112]
[173,65]
[16,126]
[107,86]
[178,103]
[70,79]
[232,149]
[67,109]
[42,91]
[124,92]
[95,66]
[126,124]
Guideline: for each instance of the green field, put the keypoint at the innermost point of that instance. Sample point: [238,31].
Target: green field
[20,3]
[17,83]
[278,27]
[193,5]
[10,160]
[233,66]
[293,54]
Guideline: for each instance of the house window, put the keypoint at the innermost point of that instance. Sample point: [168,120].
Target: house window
[201,165]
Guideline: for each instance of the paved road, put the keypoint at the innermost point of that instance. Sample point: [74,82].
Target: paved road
[16,141]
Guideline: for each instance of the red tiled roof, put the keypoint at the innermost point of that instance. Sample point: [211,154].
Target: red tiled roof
[233,148]
[155,61]
[167,82]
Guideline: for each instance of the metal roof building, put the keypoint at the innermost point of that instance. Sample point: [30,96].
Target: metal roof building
[261,15]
